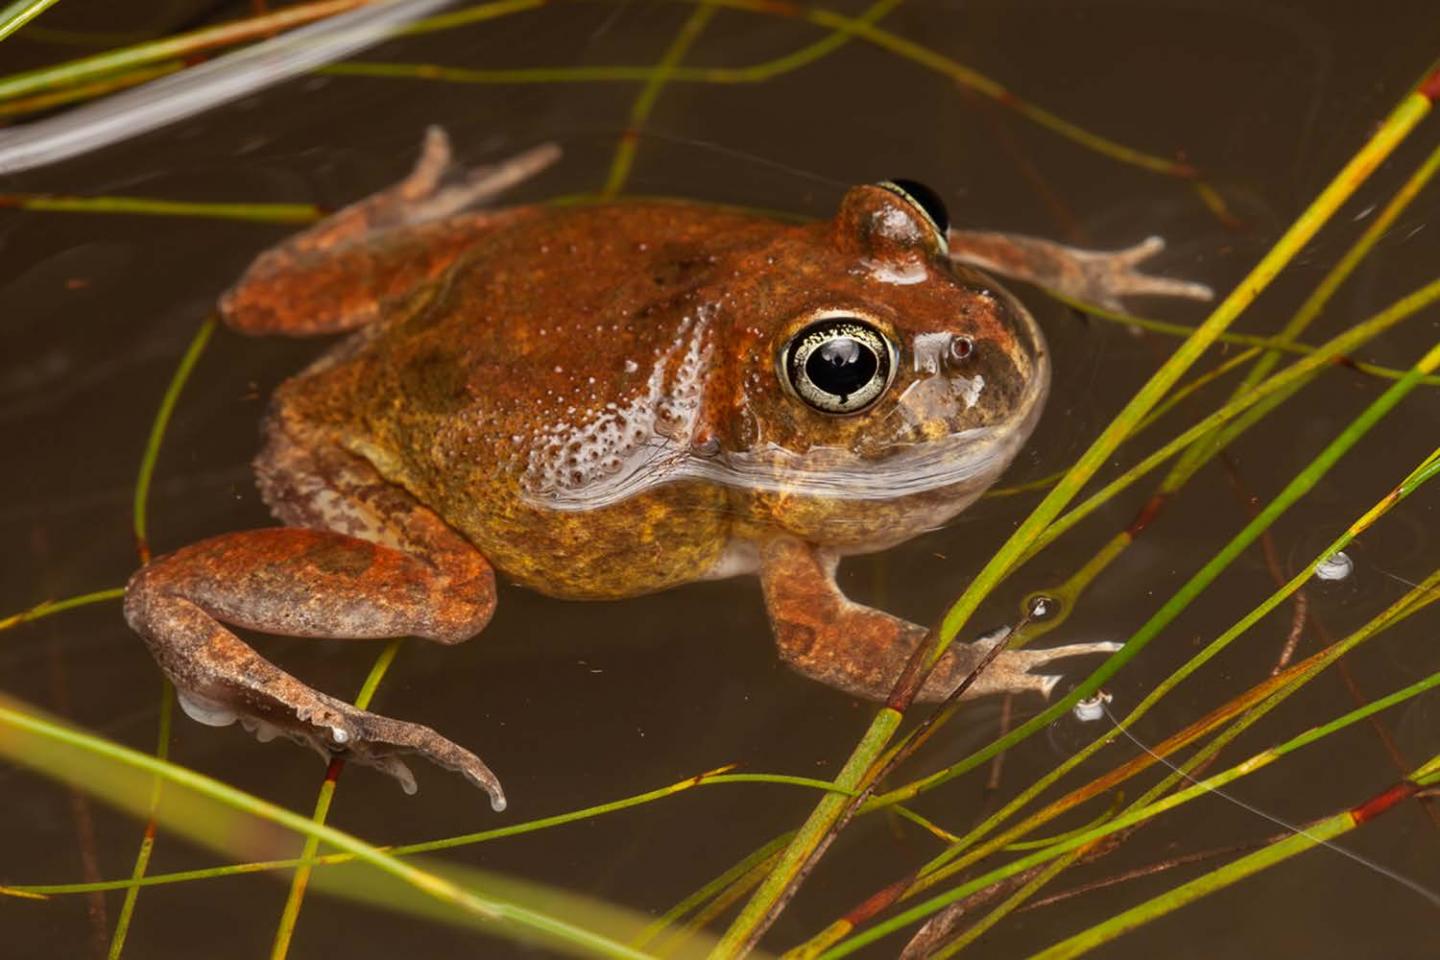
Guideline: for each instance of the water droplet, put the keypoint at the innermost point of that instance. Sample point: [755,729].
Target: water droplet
[1043,607]
[1337,566]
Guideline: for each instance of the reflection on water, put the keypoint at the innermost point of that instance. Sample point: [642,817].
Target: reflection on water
[574,704]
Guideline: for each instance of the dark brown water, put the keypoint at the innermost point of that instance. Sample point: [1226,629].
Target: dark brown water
[574,704]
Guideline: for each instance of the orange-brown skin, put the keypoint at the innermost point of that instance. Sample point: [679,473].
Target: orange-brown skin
[589,398]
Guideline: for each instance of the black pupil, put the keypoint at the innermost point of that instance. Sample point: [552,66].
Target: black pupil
[841,366]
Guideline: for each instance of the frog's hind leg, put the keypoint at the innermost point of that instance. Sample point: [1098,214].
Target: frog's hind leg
[333,276]
[1102,277]
[830,638]
[420,579]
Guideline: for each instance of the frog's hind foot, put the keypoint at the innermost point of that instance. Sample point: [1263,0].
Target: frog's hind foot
[438,187]
[335,729]
[336,275]
[310,583]
[434,189]
[1112,275]
[1100,277]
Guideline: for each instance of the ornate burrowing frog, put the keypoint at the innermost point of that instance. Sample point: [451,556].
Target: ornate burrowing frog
[602,401]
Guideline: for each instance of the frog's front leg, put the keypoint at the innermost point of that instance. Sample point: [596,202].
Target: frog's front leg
[826,636]
[1102,277]
[334,276]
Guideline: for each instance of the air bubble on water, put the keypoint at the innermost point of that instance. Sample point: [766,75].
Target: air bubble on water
[1337,566]
[1091,708]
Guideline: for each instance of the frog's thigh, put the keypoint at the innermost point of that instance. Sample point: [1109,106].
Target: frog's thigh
[863,651]
[333,276]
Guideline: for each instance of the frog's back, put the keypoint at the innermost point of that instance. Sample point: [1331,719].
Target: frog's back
[534,394]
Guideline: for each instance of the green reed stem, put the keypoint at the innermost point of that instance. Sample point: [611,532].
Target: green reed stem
[1129,819]
[1198,455]
[285,932]
[811,838]
[48,607]
[1182,330]
[711,890]
[1301,484]
[440,889]
[1281,383]
[1009,905]
[142,546]
[21,12]
[147,840]
[1314,835]
[957,858]
[157,433]
[629,143]
[298,213]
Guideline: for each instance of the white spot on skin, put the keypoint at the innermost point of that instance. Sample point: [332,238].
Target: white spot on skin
[904,274]
[620,445]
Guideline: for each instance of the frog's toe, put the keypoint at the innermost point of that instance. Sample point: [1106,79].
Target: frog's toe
[336,729]
[430,168]
[1112,275]
[398,769]
[1017,664]
[378,742]
[437,187]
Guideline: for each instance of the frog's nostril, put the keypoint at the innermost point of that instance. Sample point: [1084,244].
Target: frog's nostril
[961,348]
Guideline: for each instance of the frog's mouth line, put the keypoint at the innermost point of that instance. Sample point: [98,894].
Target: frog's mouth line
[962,465]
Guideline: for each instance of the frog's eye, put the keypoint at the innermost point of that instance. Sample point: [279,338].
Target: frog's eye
[925,200]
[838,364]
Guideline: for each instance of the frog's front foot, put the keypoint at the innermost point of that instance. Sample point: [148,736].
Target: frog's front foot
[1009,672]
[1101,277]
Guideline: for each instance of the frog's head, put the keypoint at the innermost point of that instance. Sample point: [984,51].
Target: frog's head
[883,387]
